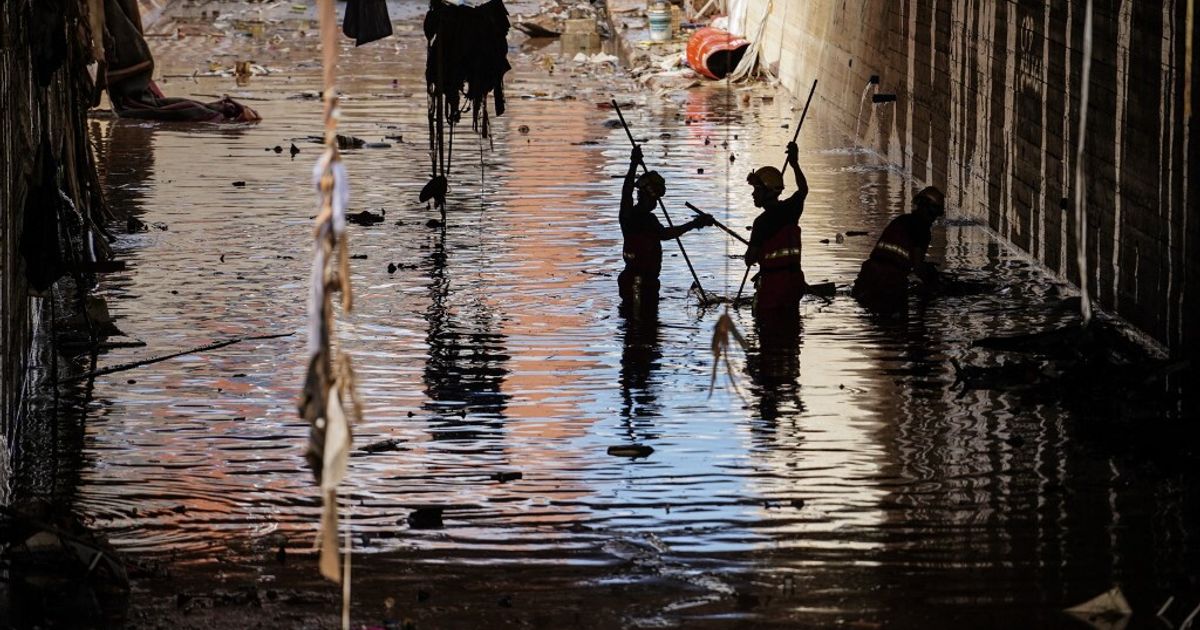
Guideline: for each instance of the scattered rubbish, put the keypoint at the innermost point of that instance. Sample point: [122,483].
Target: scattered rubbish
[506,476]
[294,150]
[1014,375]
[840,238]
[358,256]
[377,145]
[344,142]
[823,289]
[277,149]
[533,29]
[384,446]
[365,217]
[239,184]
[634,451]
[714,53]
[700,171]
[433,223]
[391,268]
[722,333]
[798,504]
[523,129]
[1105,608]
[856,233]
[425,518]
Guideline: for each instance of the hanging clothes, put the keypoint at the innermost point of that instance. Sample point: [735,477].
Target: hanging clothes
[467,55]
[41,227]
[366,21]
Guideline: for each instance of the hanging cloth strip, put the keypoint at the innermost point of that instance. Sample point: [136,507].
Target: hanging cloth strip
[329,401]
[467,56]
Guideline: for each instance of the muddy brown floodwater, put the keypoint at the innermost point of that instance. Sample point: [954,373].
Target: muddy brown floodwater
[855,484]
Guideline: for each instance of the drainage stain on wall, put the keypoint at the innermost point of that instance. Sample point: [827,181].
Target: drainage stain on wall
[989,97]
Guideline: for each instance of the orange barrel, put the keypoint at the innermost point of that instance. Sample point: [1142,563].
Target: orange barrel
[714,53]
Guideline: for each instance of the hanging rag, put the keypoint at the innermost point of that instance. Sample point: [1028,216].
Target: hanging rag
[129,66]
[329,401]
[366,21]
[40,232]
[47,38]
[467,56]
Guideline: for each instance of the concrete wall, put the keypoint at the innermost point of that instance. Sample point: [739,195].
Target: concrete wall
[988,109]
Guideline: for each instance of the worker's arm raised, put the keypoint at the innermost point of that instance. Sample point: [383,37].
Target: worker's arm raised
[793,159]
[635,158]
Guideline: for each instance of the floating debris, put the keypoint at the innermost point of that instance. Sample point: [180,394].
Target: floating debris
[425,518]
[631,450]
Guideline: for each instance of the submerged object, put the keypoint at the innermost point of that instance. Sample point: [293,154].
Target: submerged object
[714,53]
[631,450]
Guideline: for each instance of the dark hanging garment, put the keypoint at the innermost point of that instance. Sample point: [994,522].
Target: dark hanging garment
[47,38]
[366,21]
[40,231]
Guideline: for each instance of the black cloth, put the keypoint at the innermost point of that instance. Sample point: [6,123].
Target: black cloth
[39,246]
[774,217]
[467,45]
[366,21]
[47,38]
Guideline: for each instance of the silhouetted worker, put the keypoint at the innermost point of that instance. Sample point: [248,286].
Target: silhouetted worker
[775,238]
[882,283]
[643,233]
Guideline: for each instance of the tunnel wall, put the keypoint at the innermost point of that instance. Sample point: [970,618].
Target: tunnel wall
[988,109]
[50,112]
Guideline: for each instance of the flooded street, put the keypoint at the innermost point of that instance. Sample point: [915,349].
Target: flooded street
[854,479]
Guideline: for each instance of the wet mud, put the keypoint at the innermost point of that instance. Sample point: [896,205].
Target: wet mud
[860,479]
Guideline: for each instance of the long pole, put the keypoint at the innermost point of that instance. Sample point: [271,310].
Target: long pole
[796,135]
[718,223]
[662,207]
[803,115]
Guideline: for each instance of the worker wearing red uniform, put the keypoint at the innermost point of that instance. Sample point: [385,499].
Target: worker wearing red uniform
[643,233]
[775,238]
[882,283]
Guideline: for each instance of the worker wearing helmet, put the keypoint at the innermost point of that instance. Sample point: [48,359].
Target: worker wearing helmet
[882,283]
[644,234]
[775,237]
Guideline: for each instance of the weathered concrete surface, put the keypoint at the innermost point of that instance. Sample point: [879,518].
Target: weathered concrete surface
[988,109]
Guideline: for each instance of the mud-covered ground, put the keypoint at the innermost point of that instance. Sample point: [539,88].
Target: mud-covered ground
[860,479]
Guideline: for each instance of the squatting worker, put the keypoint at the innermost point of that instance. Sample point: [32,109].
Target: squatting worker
[643,233]
[882,282]
[775,238]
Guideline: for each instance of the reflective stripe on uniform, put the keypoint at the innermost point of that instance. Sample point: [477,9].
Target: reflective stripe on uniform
[782,253]
[893,248]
